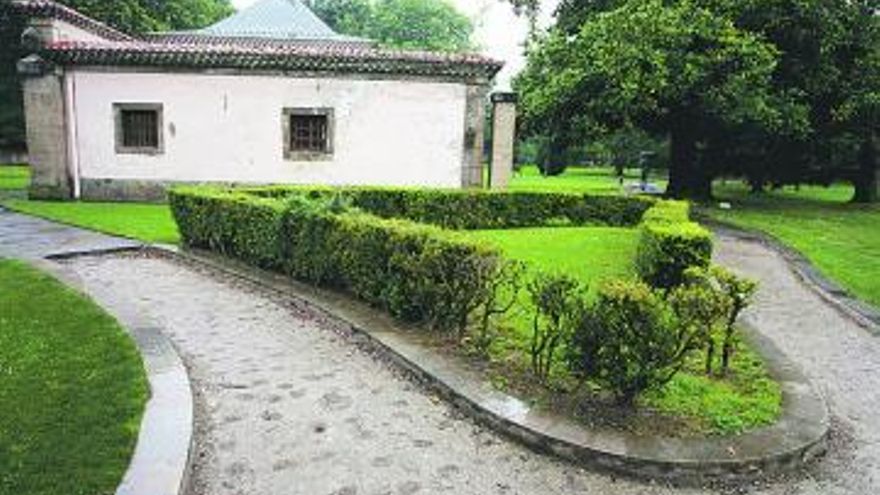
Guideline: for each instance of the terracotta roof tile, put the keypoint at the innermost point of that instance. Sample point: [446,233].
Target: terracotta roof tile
[336,58]
[185,50]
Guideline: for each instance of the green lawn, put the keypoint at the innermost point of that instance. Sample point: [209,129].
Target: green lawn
[142,221]
[594,180]
[72,389]
[840,238]
[589,253]
[14,177]
[145,222]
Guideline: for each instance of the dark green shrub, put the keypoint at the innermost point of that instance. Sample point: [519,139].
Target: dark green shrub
[475,209]
[502,294]
[417,272]
[740,291]
[558,302]
[628,342]
[703,307]
[669,244]
[235,225]
[715,298]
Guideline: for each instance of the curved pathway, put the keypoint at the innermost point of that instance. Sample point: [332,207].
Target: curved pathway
[286,403]
[841,358]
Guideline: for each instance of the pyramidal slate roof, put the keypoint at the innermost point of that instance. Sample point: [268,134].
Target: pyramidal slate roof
[275,19]
[270,35]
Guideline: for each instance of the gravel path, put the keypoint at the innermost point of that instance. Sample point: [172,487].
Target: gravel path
[27,237]
[841,359]
[287,405]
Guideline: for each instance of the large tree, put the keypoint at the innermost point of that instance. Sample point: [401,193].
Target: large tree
[344,16]
[860,111]
[132,16]
[409,24]
[672,68]
[825,80]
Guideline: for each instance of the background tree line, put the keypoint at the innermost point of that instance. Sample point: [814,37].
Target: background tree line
[775,91]
[408,24]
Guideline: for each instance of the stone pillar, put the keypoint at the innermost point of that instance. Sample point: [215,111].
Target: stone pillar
[503,139]
[46,129]
[472,159]
[45,116]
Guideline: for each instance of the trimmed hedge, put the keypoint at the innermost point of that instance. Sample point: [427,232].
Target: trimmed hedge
[233,224]
[473,209]
[670,243]
[418,273]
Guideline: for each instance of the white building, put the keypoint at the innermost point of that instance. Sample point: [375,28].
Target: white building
[269,95]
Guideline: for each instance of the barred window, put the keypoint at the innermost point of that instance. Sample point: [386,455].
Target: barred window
[308,133]
[138,127]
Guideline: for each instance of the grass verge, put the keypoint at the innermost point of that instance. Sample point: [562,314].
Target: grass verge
[14,177]
[141,221]
[840,238]
[72,389]
[144,222]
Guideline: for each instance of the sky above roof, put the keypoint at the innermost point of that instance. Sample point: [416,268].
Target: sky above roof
[499,32]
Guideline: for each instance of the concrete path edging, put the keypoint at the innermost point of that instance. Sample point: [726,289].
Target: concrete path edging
[862,313]
[797,438]
[160,462]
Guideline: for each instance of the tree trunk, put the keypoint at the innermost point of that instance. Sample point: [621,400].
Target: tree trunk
[687,179]
[867,182]
[710,356]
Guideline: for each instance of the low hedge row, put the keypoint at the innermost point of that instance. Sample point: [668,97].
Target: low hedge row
[473,209]
[418,273]
[233,224]
[670,243]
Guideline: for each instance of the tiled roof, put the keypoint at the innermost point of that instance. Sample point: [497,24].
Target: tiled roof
[253,42]
[46,9]
[331,58]
[200,50]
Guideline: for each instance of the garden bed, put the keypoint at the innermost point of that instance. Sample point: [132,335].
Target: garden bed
[446,275]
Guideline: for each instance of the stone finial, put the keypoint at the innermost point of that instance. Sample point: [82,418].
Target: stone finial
[32,39]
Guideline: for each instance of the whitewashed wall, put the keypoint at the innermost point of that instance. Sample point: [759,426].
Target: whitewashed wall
[228,128]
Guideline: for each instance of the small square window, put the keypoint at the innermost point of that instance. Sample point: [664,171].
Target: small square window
[308,133]
[138,128]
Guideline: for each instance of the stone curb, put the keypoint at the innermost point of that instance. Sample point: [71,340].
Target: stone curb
[160,463]
[862,313]
[797,438]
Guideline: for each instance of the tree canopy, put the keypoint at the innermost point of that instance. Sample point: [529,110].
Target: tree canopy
[667,68]
[778,91]
[408,24]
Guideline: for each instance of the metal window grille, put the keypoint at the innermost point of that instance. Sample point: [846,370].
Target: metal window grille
[308,133]
[140,128]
